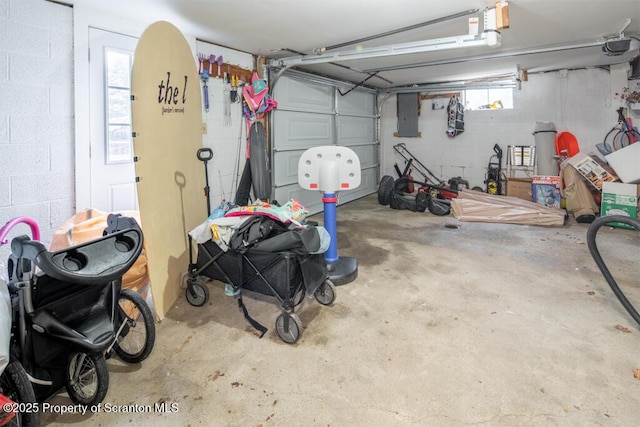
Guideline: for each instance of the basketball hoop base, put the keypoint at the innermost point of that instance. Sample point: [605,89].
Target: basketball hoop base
[343,271]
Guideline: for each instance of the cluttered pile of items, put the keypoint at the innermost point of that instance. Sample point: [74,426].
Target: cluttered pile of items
[542,184]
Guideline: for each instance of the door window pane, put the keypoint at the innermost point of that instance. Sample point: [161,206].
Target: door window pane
[119,67]
[119,144]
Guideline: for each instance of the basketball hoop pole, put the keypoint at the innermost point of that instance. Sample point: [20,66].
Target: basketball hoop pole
[329,200]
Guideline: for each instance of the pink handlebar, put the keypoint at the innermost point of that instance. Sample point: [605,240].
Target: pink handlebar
[35,230]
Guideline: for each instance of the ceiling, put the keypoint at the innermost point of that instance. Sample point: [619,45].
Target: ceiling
[562,33]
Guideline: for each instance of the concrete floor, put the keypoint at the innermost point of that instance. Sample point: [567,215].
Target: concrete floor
[495,324]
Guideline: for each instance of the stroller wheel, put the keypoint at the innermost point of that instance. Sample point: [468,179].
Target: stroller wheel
[137,328]
[326,293]
[197,292]
[288,326]
[87,378]
[15,385]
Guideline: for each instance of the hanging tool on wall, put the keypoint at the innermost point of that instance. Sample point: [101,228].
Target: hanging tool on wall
[220,62]
[234,88]
[455,120]
[212,60]
[204,76]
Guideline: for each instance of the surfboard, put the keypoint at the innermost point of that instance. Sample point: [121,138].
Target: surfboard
[166,111]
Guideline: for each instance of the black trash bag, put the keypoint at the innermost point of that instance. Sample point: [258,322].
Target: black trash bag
[422,201]
[400,202]
[438,207]
[300,241]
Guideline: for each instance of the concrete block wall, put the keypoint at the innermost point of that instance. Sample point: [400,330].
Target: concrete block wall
[36,115]
[224,136]
[576,101]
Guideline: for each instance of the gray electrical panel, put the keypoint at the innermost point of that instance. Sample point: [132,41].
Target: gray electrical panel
[408,108]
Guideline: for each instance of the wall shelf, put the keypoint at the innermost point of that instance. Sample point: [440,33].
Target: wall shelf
[243,74]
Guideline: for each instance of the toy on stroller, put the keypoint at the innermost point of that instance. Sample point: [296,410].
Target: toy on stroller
[265,256]
[72,312]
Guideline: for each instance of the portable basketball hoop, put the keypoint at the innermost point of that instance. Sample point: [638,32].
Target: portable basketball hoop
[330,169]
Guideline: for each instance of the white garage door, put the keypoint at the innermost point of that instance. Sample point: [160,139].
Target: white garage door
[311,112]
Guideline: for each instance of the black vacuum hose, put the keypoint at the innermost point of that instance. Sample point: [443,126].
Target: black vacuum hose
[593,249]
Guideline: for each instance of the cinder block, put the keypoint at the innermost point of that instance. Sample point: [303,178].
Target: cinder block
[58,17]
[41,130]
[4,67]
[56,70]
[62,159]
[5,191]
[17,37]
[4,130]
[18,159]
[41,187]
[25,99]
[61,45]
[61,101]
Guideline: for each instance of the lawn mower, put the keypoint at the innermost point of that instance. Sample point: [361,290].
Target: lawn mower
[435,186]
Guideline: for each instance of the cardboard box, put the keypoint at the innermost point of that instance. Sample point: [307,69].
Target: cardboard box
[626,163]
[519,187]
[619,199]
[590,168]
[545,190]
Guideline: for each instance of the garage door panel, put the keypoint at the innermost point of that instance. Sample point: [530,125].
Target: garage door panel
[298,95]
[368,185]
[298,130]
[355,130]
[356,103]
[287,170]
[368,155]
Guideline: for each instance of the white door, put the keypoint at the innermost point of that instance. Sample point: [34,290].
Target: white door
[113,186]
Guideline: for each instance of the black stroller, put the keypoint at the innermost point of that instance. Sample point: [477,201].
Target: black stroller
[70,314]
[270,258]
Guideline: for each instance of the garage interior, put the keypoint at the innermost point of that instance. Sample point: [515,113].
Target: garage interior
[450,321]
